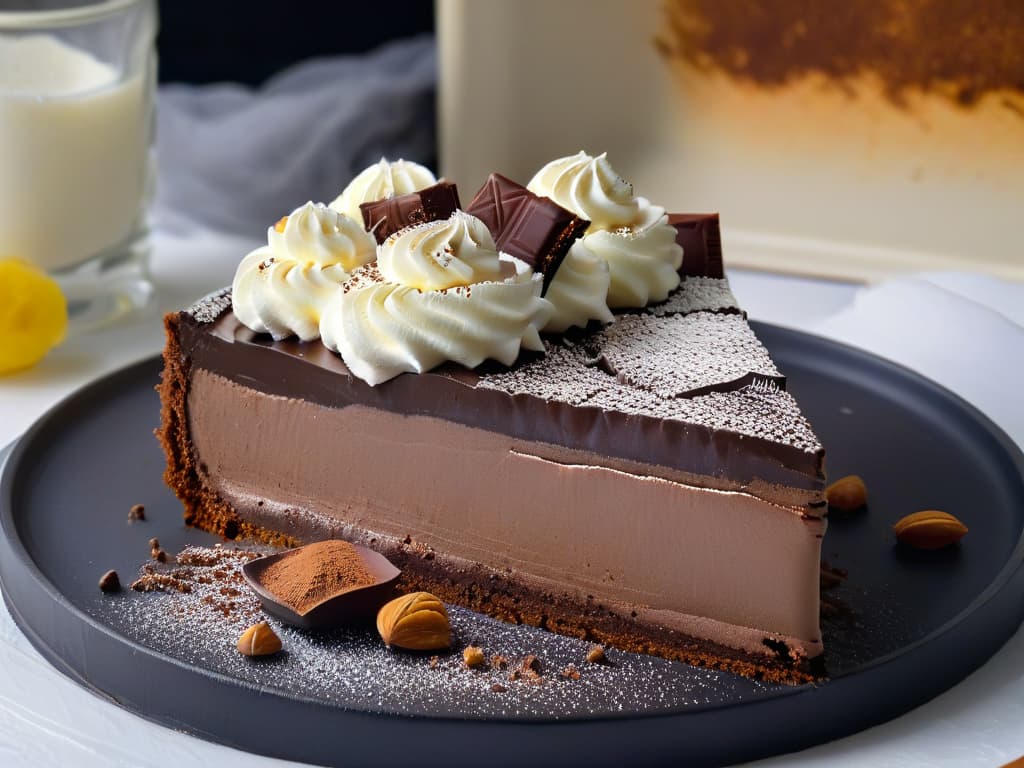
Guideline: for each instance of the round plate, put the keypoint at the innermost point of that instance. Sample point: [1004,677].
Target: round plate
[914,623]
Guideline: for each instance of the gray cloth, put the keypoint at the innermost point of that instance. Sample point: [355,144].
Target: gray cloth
[237,159]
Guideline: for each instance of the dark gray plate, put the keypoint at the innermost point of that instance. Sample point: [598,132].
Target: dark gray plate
[917,622]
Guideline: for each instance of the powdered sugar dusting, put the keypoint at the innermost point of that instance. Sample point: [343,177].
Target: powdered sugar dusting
[535,379]
[697,294]
[570,373]
[683,355]
[211,306]
[693,359]
[758,410]
[352,667]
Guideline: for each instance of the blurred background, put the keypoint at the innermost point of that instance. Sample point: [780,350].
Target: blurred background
[264,106]
[852,143]
[209,41]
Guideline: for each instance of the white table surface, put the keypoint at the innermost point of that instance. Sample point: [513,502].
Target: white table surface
[46,720]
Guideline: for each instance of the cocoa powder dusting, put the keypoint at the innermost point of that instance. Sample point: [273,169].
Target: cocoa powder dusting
[311,574]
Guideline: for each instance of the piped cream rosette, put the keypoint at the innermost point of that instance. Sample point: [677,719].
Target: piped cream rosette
[643,259]
[282,287]
[632,236]
[438,292]
[590,188]
[379,182]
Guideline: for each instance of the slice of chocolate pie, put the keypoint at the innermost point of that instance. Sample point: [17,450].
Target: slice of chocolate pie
[648,484]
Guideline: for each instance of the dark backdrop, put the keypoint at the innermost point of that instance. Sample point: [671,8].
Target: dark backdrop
[204,41]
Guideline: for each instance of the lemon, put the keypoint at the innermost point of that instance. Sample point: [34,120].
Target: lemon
[33,315]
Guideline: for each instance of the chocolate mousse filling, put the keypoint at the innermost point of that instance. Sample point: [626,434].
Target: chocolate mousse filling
[669,506]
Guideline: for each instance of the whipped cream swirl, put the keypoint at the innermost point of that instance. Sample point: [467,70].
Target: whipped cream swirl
[281,288]
[384,323]
[643,260]
[382,180]
[628,232]
[578,290]
[457,252]
[590,188]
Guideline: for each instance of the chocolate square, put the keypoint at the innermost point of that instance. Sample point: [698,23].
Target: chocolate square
[527,226]
[385,217]
[701,239]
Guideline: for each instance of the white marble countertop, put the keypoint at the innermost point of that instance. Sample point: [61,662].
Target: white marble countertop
[46,720]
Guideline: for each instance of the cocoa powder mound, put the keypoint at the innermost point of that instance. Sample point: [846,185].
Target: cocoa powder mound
[309,575]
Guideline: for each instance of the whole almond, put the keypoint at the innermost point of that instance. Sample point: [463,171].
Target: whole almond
[416,622]
[847,493]
[929,529]
[259,640]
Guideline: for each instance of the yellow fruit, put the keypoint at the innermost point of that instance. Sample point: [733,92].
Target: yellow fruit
[33,315]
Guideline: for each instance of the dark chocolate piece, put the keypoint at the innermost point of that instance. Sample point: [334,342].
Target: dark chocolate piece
[701,239]
[527,226]
[385,217]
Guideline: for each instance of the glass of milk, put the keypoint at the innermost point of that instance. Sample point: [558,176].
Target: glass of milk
[77,80]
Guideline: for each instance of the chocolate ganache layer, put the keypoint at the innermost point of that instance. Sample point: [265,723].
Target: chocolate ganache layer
[681,390]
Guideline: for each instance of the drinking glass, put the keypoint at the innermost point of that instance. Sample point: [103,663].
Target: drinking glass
[77,83]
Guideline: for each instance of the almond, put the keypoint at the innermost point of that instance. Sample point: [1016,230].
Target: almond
[417,622]
[847,493]
[929,529]
[259,640]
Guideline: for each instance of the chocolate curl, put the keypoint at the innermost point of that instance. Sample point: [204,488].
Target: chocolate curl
[532,228]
